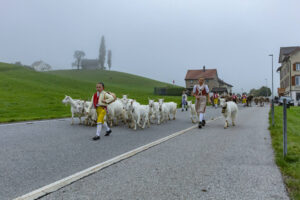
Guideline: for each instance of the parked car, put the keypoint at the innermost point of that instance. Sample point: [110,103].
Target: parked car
[276,99]
[289,100]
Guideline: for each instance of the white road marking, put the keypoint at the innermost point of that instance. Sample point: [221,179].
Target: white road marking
[79,175]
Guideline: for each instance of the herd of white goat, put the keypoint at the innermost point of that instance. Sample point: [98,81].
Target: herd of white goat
[125,110]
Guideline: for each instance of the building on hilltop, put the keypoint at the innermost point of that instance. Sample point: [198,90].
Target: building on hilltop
[90,64]
[289,58]
[214,83]
[41,66]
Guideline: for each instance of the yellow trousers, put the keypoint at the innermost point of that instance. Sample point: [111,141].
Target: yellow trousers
[101,112]
[216,101]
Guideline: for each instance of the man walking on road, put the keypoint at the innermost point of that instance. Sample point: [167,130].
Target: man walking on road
[201,92]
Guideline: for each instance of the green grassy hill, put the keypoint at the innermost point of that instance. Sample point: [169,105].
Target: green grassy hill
[26,94]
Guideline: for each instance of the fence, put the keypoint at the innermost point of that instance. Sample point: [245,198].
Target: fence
[168,91]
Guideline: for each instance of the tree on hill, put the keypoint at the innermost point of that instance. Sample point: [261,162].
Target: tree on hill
[263,91]
[78,55]
[109,59]
[102,53]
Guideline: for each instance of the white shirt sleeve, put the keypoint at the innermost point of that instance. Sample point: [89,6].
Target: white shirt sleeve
[206,89]
[194,89]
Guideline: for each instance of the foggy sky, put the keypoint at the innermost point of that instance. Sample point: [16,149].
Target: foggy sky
[159,39]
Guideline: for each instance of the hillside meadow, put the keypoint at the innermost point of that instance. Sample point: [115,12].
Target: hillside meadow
[26,94]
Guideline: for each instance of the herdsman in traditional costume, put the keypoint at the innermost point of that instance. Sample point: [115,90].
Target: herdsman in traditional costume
[244,99]
[234,98]
[201,92]
[216,99]
[184,101]
[100,100]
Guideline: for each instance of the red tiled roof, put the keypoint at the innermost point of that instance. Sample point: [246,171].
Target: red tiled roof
[196,74]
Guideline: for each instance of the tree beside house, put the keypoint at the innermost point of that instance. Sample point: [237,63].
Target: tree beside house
[92,64]
[102,53]
[109,59]
[78,55]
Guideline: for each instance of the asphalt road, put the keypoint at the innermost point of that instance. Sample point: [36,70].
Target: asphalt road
[34,154]
[213,163]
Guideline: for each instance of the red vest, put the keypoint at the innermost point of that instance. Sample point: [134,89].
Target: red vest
[215,96]
[203,91]
[95,100]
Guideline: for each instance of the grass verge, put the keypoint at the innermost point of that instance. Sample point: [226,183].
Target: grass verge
[290,165]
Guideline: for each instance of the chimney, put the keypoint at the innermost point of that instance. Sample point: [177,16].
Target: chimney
[203,68]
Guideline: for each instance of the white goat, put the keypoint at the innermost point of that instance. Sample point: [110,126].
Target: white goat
[154,110]
[77,107]
[172,109]
[115,112]
[90,113]
[127,114]
[139,113]
[229,110]
[193,113]
[165,109]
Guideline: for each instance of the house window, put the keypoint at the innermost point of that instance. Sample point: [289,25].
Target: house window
[297,80]
[298,66]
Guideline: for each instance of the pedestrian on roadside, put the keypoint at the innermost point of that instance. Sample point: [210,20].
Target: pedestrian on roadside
[184,101]
[201,93]
[100,100]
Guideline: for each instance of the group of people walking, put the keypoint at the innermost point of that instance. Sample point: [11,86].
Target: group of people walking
[101,99]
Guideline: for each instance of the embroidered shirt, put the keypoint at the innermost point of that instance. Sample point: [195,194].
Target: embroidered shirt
[203,89]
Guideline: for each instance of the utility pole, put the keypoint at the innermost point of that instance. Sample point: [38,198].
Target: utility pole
[272,101]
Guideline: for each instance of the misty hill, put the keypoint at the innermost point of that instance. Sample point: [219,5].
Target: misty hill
[27,94]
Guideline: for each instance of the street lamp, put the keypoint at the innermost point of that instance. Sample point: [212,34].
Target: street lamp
[272,100]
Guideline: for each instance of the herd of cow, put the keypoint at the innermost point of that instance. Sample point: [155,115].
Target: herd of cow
[125,110]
